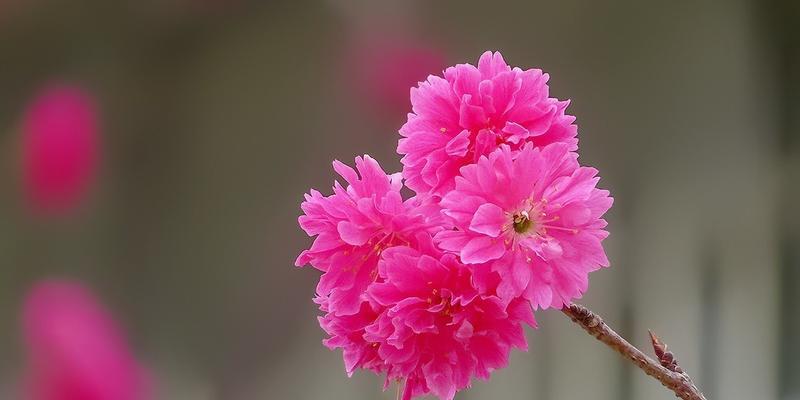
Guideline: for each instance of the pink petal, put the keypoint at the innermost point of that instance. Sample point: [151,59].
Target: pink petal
[465,331]
[491,64]
[452,240]
[471,116]
[458,145]
[353,234]
[515,131]
[488,220]
[482,249]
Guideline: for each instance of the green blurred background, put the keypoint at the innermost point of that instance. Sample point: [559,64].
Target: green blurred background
[218,115]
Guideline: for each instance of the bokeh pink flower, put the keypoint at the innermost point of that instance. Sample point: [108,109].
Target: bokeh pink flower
[382,67]
[75,350]
[469,112]
[59,148]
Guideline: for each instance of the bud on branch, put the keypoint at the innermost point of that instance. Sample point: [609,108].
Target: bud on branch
[666,369]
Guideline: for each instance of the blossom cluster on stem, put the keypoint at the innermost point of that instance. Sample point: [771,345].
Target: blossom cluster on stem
[435,289]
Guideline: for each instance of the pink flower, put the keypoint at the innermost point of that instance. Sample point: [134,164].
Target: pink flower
[428,325]
[433,291]
[347,332]
[470,112]
[75,350]
[59,142]
[383,67]
[353,227]
[536,216]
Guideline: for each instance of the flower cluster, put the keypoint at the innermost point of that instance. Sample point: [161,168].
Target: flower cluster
[435,289]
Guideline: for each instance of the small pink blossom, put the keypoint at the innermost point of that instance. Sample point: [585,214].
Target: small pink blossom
[536,215]
[353,227]
[427,325]
[59,148]
[75,350]
[470,112]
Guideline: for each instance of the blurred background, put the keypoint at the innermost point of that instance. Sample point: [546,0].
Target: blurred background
[216,116]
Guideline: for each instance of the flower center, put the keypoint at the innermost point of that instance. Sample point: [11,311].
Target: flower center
[522,222]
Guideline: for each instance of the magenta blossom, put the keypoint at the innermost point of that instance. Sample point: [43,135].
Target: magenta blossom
[434,291]
[59,144]
[470,112]
[428,326]
[536,216]
[75,349]
[353,227]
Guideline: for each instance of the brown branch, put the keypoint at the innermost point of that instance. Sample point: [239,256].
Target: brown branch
[666,370]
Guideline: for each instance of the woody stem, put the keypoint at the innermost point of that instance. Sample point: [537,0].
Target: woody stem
[666,371]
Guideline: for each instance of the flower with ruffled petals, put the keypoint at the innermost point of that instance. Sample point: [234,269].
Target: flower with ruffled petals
[75,349]
[433,291]
[427,325]
[59,148]
[353,227]
[536,215]
[470,112]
